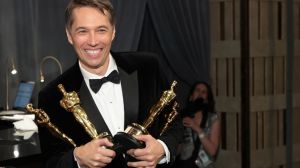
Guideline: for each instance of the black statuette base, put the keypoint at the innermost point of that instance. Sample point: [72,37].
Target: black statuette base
[127,141]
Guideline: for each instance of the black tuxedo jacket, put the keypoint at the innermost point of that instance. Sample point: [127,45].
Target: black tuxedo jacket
[142,85]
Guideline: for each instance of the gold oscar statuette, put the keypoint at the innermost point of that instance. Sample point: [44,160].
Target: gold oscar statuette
[71,103]
[126,139]
[170,118]
[44,120]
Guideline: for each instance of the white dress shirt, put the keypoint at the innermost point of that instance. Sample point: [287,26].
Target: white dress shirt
[109,99]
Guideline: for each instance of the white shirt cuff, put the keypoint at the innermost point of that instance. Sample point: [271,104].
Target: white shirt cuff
[166,158]
[76,161]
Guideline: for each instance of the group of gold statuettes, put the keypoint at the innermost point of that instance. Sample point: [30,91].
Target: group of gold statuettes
[202,128]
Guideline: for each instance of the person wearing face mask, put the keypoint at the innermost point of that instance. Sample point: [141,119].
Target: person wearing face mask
[133,83]
[202,129]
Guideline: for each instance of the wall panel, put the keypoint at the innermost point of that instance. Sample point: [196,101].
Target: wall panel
[267,80]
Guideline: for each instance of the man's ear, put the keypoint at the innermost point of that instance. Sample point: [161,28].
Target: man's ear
[69,36]
[114,33]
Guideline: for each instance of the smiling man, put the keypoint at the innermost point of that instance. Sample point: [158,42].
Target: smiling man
[90,28]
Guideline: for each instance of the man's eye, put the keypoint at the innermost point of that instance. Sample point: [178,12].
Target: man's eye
[82,31]
[101,30]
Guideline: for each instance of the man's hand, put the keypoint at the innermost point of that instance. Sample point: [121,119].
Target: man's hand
[94,153]
[148,156]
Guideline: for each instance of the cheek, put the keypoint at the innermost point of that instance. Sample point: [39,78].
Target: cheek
[106,39]
[79,41]
[195,95]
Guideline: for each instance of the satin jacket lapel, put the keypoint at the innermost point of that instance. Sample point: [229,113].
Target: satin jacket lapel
[91,110]
[130,91]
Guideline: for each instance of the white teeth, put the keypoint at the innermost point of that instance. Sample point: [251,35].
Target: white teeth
[92,51]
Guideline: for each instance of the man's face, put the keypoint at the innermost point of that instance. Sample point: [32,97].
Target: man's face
[91,34]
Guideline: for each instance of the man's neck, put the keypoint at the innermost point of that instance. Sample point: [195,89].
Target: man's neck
[101,71]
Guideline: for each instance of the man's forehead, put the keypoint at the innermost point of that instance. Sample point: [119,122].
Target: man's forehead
[87,9]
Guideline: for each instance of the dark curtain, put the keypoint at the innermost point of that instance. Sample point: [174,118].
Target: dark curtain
[29,31]
[175,29]
[129,19]
[179,31]
[182,29]
[9,50]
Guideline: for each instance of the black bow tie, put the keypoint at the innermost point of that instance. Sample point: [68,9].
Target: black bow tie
[96,84]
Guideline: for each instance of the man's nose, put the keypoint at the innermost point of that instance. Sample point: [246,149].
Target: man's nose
[92,41]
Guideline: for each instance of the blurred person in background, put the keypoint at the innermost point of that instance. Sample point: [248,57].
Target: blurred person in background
[202,129]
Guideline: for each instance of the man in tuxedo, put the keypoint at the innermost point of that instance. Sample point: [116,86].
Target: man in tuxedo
[136,85]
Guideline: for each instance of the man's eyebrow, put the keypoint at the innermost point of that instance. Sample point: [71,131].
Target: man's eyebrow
[102,26]
[84,28]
